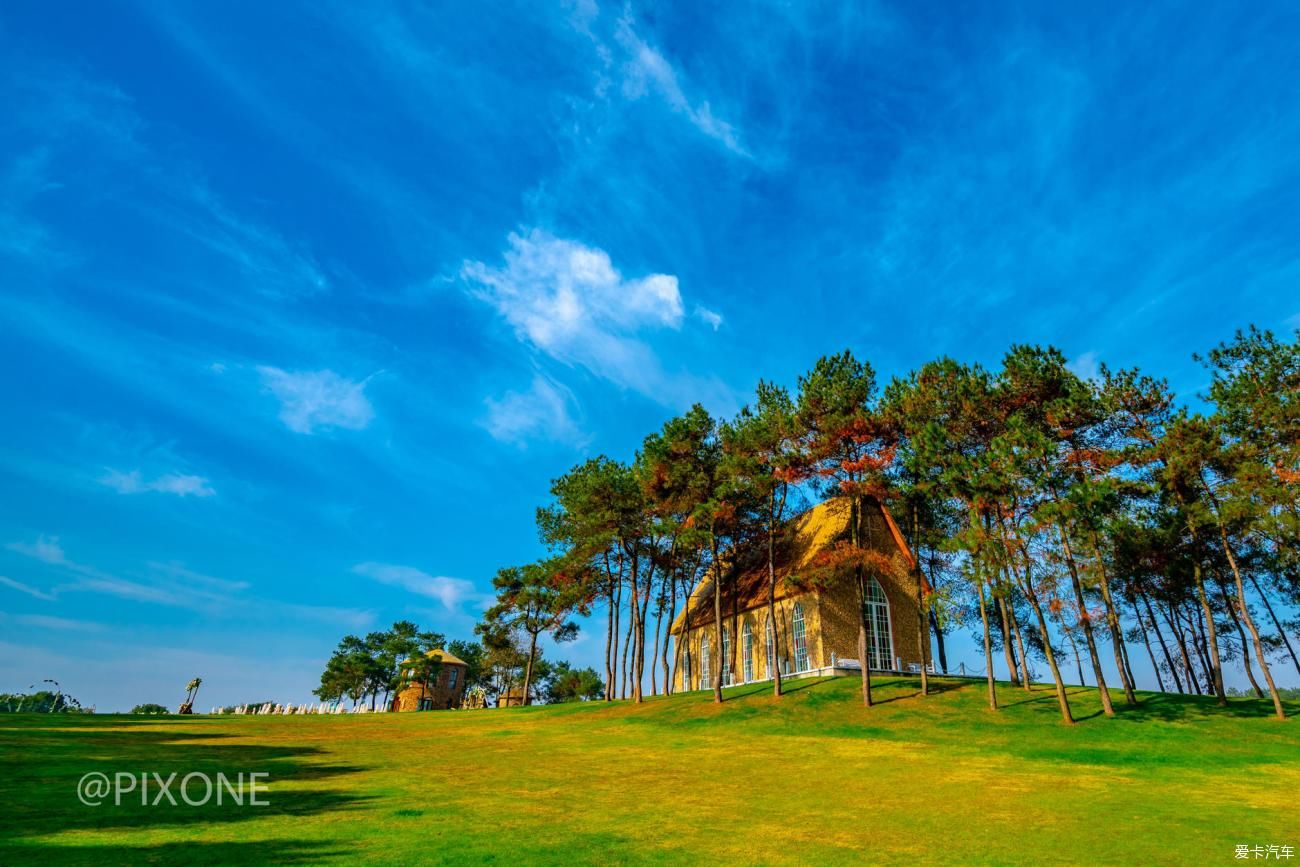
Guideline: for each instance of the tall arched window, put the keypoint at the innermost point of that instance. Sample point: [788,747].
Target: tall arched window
[686,669]
[706,662]
[880,643]
[726,658]
[800,639]
[747,651]
[771,649]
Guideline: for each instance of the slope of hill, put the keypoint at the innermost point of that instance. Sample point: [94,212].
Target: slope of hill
[813,777]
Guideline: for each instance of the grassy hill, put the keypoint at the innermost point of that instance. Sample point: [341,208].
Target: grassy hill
[813,777]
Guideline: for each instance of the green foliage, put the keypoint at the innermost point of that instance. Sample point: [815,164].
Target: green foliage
[42,701]
[564,683]
[151,709]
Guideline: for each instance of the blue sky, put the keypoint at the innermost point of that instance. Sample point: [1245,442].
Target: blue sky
[304,304]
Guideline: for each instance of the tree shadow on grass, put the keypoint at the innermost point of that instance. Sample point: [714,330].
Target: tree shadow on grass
[1172,707]
[934,687]
[42,760]
[260,852]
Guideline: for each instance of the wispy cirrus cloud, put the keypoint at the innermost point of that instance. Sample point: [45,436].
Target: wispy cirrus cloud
[45,621]
[451,592]
[46,549]
[174,585]
[25,588]
[648,71]
[643,71]
[180,484]
[314,400]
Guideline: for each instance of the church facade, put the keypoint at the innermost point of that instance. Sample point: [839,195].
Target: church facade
[816,623]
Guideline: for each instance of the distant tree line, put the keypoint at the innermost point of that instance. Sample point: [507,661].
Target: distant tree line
[373,669]
[1048,509]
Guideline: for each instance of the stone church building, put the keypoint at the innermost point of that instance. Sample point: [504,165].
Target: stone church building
[817,622]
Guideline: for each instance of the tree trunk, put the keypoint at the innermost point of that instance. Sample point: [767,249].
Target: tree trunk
[1006,639]
[1164,648]
[864,658]
[528,670]
[1249,620]
[637,636]
[1086,622]
[1197,619]
[671,580]
[611,636]
[1172,619]
[1277,624]
[1028,589]
[1212,648]
[938,640]
[1241,636]
[1061,697]
[717,624]
[774,661]
[922,632]
[618,615]
[627,644]
[1113,624]
[1025,679]
[1155,666]
[654,653]
[988,646]
[643,621]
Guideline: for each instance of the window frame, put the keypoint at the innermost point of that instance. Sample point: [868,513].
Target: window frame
[799,638]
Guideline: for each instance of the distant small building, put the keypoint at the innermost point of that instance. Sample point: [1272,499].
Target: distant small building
[445,690]
[512,697]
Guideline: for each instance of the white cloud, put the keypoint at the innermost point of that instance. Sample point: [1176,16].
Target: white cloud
[46,549]
[170,483]
[451,592]
[174,585]
[569,301]
[43,621]
[318,399]
[1085,366]
[710,317]
[646,72]
[541,412]
[24,588]
[272,264]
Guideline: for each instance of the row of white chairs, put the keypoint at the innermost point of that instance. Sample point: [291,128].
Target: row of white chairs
[284,709]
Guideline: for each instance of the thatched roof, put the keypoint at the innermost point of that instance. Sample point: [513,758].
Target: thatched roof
[804,537]
[447,658]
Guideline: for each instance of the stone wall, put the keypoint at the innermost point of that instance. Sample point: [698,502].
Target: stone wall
[839,611]
[830,627]
[756,619]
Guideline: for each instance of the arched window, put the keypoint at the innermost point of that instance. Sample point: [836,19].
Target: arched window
[726,658]
[747,651]
[771,649]
[686,668]
[706,662]
[880,643]
[800,639]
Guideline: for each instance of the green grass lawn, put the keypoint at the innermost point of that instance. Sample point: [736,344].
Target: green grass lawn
[811,778]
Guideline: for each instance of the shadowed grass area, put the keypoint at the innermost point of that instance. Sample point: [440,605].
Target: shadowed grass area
[811,777]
